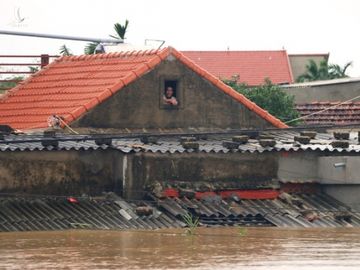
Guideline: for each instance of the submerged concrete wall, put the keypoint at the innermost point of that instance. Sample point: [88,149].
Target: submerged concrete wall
[93,172]
[60,172]
[250,168]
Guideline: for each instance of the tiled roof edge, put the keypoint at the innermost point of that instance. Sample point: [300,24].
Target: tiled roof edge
[110,55]
[27,80]
[228,90]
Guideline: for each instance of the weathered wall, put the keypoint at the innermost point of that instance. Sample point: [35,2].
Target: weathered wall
[343,183]
[325,92]
[339,170]
[60,172]
[150,167]
[319,167]
[201,104]
[298,166]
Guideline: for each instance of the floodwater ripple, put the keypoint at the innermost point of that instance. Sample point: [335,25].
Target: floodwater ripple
[210,248]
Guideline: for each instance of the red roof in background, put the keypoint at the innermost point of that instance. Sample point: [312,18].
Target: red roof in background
[340,113]
[252,66]
[73,85]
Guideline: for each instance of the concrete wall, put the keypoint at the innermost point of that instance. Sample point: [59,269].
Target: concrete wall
[93,172]
[298,166]
[343,183]
[139,105]
[325,92]
[298,62]
[319,167]
[347,174]
[60,172]
[250,168]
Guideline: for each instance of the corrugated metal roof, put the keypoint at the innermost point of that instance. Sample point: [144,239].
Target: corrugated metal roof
[29,214]
[325,211]
[213,144]
[55,213]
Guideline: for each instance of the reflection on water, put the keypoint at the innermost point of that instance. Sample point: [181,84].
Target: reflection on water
[222,248]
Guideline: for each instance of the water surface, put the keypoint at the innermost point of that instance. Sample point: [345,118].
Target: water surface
[221,248]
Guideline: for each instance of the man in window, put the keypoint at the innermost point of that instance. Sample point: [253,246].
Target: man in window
[169,97]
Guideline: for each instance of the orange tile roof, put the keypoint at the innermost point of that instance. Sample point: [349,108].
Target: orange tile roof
[73,85]
[252,66]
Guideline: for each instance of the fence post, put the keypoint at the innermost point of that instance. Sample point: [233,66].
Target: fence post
[44,60]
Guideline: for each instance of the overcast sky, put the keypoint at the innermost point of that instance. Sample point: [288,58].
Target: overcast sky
[299,26]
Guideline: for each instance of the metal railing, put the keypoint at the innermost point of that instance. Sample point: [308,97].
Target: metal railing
[12,68]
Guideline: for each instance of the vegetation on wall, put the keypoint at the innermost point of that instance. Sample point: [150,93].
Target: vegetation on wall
[270,97]
[323,71]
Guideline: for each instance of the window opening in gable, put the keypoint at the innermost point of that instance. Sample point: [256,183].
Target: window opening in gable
[170,97]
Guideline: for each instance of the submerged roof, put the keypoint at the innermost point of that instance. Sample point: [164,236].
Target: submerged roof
[336,113]
[252,66]
[72,85]
[62,213]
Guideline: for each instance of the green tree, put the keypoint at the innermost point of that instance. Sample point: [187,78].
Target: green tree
[270,97]
[323,71]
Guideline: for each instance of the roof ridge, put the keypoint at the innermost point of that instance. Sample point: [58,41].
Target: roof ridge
[112,55]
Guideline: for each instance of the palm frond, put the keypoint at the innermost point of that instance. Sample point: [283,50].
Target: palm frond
[90,48]
[120,30]
[65,51]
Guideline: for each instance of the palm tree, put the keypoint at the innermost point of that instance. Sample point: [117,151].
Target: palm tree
[315,72]
[65,51]
[337,71]
[90,47]
[324,71]
[120,31]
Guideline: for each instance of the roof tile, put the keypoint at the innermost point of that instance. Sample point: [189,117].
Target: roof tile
[252,66]
[330,112]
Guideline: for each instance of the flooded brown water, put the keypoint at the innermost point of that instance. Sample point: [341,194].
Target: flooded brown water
[260,248]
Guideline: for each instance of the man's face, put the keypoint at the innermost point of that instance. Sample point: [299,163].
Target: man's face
[169,92]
